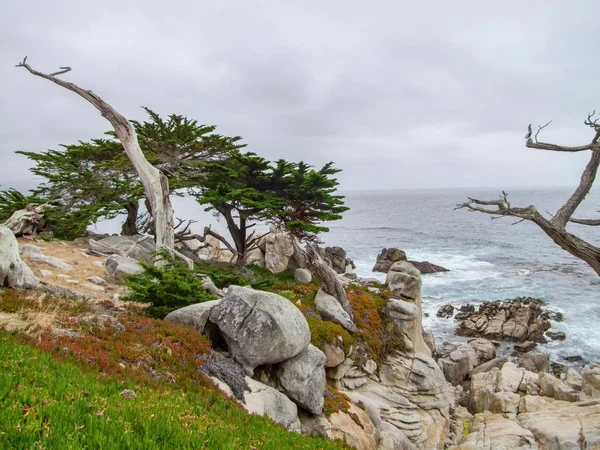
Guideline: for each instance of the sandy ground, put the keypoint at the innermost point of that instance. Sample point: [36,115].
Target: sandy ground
[84,266]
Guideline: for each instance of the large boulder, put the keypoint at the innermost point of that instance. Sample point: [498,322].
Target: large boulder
[303,378]
[194,316]
[387,257]
[405,279]
[119,267]
[260,327]
[140,247]
[331,310]
[302,276]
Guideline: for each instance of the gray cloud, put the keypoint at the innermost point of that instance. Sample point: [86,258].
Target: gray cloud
[398,94]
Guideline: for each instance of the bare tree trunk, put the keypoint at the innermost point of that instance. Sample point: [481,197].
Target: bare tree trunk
[555,227]
[129,227]
[14,273]
[330,282]
[156,185]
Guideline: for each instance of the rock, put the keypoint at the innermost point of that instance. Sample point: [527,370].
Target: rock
[484,349]
[510,377]
[401,310]
[496,432]
[446,311]
[536,362]
[51,261]
[334,355]
[303,378]
[573,358]
[256,256]
[335,258]
[486,367]
[519,320]
[331,310]
[456,361]
[261,399]
[429,339]
[96,280]
[404,279]
[556,335]
[194,316]
[99,264]
[118,267]
[425,267]
[387,257]
[302,276]
[140,247]
[552,387]
[226,371]
[562,425]
[391,438]
[354,428]
[30,249]
[93,287]
[525,347]
[260,327]
[278,250]
[46,273]
[573,379]
[127,393]
[590,380]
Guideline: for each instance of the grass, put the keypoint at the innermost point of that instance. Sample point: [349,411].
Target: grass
[50,404]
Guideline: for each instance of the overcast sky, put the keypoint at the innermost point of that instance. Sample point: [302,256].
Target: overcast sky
[399,94]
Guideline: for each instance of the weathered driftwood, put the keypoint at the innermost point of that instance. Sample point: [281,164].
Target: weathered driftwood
[27,221]
[328,278]
[156,185]
[555,226]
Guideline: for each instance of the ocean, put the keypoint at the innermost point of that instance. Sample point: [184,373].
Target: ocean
[488,259]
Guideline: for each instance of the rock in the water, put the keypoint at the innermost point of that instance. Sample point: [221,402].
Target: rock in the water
[331,310]
[556,335]
[426,267]
[519,320]
[139,248]
[194,316]
[387,257]
[302,276]
[261,399]
[404,279]
[303,378]
[260,327]
[118,267]
[446,311]
[525,347]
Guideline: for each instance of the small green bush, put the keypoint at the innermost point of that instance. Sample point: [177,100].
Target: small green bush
[166,288]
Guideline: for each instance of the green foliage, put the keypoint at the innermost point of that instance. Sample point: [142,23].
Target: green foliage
[246,188]
[254,276]
[166,288]
[91,181]
[51,404]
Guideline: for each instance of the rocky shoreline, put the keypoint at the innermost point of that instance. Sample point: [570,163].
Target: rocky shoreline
[376,379]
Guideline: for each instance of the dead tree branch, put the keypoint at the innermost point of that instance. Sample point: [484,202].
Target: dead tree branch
[156,185]
[555,227]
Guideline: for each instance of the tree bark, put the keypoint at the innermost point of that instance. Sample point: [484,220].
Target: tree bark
[156,185]
[14,273]
[129,227]
[328,278]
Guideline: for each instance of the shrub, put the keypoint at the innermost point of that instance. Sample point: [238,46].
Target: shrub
[166,288]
